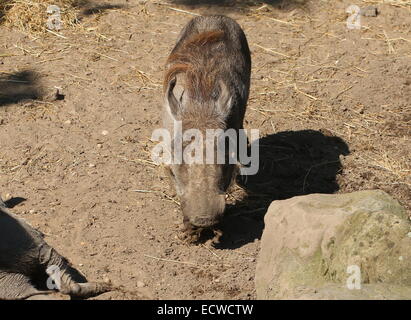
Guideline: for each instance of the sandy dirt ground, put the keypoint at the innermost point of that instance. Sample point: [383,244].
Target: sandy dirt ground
[333,106]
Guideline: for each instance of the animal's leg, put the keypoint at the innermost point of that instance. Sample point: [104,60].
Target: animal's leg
[67,279]
[81,290]
[88,289]
[16,286]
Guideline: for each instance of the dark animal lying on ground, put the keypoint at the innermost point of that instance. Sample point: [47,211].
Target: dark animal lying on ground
[25,257]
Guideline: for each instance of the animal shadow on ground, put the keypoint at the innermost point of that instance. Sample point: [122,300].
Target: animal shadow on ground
[90,8]
[19,86]
[291,163]
[225,6]
[87,8]
[11,203]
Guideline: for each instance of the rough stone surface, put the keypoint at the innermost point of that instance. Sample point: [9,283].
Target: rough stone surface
[310,241]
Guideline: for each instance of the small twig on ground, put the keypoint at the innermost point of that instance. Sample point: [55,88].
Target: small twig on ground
[144,191]
[272,51]
[343,91]
[213,253]
[139,160]
[306,94]
[56,34]
[184,11]
[173,261]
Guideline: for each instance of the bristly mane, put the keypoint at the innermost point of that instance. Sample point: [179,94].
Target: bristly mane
[199,58]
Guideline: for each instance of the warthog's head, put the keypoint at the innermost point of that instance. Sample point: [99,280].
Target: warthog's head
[200,183]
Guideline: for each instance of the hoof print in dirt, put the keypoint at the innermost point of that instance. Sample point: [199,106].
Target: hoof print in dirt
[30,267]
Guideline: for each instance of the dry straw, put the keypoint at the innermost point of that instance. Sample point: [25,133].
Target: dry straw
[31,15]
[397,3]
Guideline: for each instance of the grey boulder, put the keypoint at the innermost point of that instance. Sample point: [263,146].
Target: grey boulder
[343,246]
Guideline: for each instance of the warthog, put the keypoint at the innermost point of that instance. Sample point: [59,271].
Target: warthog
[206,85]
[25,257]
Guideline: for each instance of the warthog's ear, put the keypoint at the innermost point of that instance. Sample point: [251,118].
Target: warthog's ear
[224,100]
[172,104]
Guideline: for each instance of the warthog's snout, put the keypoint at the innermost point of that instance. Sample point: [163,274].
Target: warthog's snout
[205,212]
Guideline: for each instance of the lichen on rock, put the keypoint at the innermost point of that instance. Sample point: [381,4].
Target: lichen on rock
[310,242]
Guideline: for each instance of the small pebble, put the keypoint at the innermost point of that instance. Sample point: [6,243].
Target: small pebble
[409,234]
[104,132]
[370,11]
[140,284]
[58,95]
[67,122]
[400,258]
